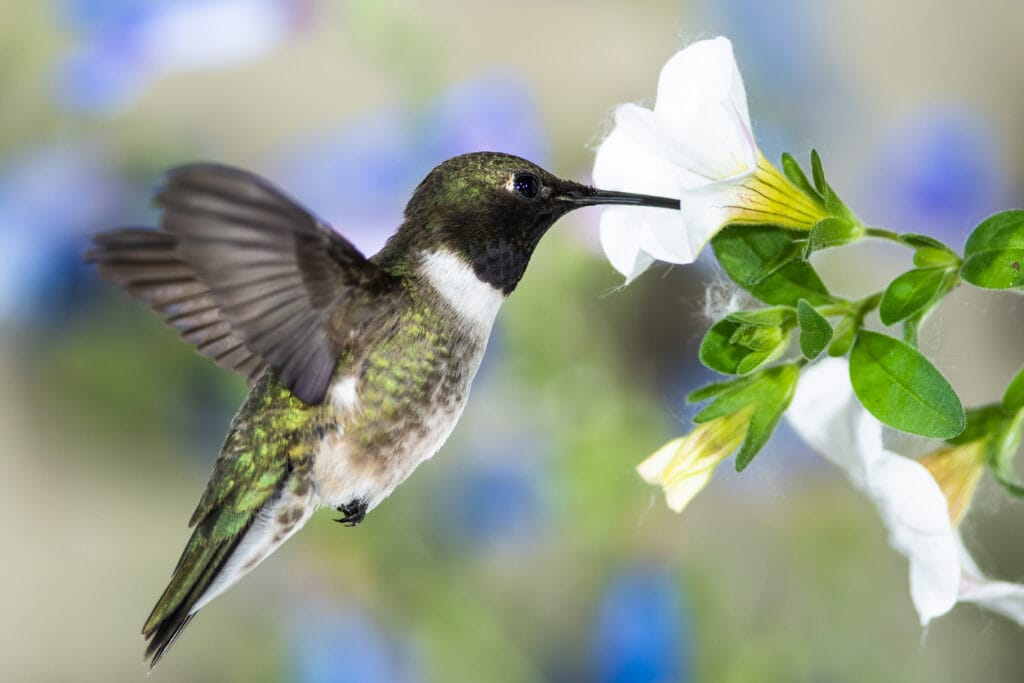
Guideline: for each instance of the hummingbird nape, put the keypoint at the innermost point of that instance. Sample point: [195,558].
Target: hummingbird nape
[359,367]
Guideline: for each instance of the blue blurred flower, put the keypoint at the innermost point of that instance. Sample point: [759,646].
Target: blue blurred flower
[128,44]
[938,173]
[50,200]
[344,643]
[496,499]
[641,633]
[359,176]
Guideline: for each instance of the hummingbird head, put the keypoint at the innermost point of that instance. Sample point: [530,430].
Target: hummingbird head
[490,210]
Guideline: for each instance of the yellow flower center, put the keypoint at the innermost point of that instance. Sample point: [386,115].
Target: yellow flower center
[957,470]
[767,197]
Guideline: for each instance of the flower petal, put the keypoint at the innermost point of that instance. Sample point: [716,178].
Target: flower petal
[701,100]
[999,596]
[620,239]
[706,210]
[652,470]
[914,511]
[680,493]
[826,414]
[821,413]
[620,163]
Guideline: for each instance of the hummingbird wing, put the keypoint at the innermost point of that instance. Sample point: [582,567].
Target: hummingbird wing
[247,275]
[260,493]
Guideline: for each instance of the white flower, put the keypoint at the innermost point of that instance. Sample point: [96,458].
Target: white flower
[696,144]
[827,415]
[683,466]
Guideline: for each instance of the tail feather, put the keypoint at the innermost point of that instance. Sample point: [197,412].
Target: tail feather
[200,565]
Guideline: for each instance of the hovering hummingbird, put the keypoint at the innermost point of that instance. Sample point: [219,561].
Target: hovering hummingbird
[359,367]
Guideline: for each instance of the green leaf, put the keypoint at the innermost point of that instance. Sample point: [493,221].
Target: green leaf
[842,338]
[818,172]
[834,232]
[774,316]
[922,241]
[927,257]
[717,350]
[831,200]
[1013,397]
[766,262]
[738,348]
[1002,449]
[909,293]
[815,332]
[994,252]
[757,337]
[902,388]
[796,176]
[771,390]
[709,391]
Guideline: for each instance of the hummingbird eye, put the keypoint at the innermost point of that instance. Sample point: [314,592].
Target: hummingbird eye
[526,185]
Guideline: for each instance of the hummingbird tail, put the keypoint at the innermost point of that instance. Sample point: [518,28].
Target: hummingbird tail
[213,560]
[200,565]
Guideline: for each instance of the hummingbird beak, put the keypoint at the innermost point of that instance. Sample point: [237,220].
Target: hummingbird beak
[583,195]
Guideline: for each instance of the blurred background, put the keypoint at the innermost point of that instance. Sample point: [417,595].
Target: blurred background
[528,550]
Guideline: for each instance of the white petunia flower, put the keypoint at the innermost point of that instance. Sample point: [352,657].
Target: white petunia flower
[696,144]
[827,415]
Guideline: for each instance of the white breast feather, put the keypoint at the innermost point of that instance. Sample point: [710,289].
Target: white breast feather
[476,301]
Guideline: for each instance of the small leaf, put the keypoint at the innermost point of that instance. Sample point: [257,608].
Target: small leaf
[922,241]
[771,390]
[775,391]
[834,232]
[909,293]
[737,348]
[774,316]
[757,337]
[833,204]
[1013,397]
[927,257]
[818,172]
[717,350]
[765,261]
[709,391]
[796,176]
[1002,449]
[902,388]
[842,338]
[815,332]
[994,252]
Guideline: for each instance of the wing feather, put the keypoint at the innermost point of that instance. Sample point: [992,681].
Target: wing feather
[248,276]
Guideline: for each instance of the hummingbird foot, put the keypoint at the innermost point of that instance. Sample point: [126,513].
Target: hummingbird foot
[353,512]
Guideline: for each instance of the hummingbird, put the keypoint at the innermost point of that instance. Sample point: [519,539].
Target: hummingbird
[359,367]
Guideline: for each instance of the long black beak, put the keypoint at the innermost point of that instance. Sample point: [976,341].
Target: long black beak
[583,195]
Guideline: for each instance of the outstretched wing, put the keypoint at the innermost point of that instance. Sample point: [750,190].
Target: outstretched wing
[247,275]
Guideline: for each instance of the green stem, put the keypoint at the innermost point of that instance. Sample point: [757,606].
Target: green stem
[868,304]
[883,234]
[832,310]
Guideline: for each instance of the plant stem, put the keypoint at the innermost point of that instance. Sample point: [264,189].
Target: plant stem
[882,233]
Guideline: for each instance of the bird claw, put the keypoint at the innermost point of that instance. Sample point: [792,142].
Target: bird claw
[352,512]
